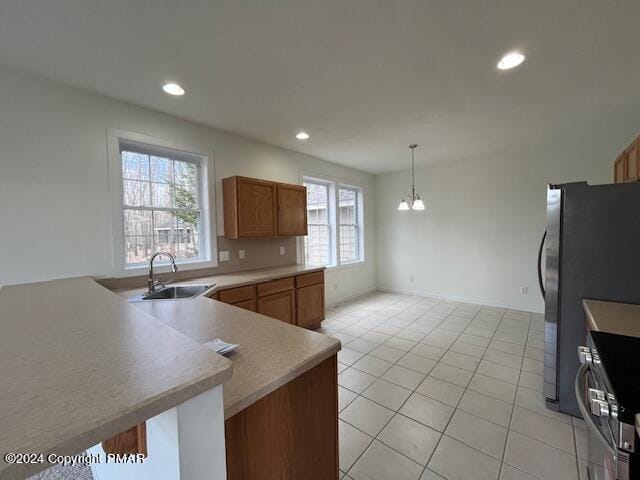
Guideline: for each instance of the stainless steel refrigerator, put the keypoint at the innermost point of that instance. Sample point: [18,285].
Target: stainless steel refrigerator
[592,250]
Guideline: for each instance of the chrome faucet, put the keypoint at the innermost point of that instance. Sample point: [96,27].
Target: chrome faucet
[152,282]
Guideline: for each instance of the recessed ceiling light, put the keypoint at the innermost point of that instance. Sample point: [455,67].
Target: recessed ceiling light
[302,135]
[510,60]
[173,89]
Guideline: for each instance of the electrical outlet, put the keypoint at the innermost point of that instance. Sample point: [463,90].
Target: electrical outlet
[411,278]
[335,286]
[241,254]
[524,290]
[225,256]
[282,250]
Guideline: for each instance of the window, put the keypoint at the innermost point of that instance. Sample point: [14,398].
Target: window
[160,201]
[317,243]
[334,219]
[161,205]
[348,224]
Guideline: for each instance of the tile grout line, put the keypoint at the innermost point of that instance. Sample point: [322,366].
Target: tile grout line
[468,323]
[426,467]
[513,407]
[397,412]
[373,438]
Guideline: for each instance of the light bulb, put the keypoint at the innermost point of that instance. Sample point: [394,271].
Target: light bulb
[510,60]
[418,204]
[173,89]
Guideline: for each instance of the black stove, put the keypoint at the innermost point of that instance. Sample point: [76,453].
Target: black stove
[620,357]
[607,390]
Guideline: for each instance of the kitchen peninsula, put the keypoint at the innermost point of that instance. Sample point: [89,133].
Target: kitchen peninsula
[110,364]
[280,406]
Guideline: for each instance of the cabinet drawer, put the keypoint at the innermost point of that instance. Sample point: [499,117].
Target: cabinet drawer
[309,279]
[236,295]
[275,286]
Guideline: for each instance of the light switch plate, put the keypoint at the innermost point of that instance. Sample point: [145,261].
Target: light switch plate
[224,256]
[241,254]
[282,250]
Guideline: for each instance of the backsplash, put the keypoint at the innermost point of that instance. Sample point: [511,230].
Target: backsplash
[259,253]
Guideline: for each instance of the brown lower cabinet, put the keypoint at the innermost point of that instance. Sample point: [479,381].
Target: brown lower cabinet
[247,305]
[292,433]
[310,306]
[279,305]
[298,300]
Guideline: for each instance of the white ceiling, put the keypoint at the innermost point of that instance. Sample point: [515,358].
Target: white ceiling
[364,77]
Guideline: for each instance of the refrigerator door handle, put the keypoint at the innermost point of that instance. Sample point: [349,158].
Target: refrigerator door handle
[540,250]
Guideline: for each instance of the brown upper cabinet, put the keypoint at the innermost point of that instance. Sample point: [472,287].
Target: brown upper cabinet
[292,209]
[260,208]
[249,207]
[626,168]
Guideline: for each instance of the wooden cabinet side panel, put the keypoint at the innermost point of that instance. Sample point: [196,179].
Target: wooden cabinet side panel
[281,306]
[619,169]
[130,441]
[310,306]
[291,433]
[230,207]
[632,158]
[292,209]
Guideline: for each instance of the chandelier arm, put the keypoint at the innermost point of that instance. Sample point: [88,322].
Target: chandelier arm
[413,175]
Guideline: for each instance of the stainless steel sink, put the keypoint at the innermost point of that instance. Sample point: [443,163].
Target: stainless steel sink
[174,292]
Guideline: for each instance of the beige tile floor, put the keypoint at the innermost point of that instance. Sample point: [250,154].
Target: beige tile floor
[432,390]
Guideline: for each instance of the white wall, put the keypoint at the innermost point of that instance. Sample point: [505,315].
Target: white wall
[478,238]
[54,201]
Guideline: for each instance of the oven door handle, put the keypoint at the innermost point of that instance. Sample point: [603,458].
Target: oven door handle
[586,415]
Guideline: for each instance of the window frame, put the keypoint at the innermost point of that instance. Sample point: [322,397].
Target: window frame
[334,185]
[357,222]
[332,253]
[119,140]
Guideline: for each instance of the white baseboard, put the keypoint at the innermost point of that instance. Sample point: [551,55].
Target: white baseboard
[455,298]
[353,296]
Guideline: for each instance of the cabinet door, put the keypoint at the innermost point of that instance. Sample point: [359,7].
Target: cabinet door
[279,305]
[256,203]
[292,209]
[310,306]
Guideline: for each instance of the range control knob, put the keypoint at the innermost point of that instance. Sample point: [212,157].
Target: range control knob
[584,354]
[598,403]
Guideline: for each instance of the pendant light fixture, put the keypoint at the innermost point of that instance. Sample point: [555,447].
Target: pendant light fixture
[412,201]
